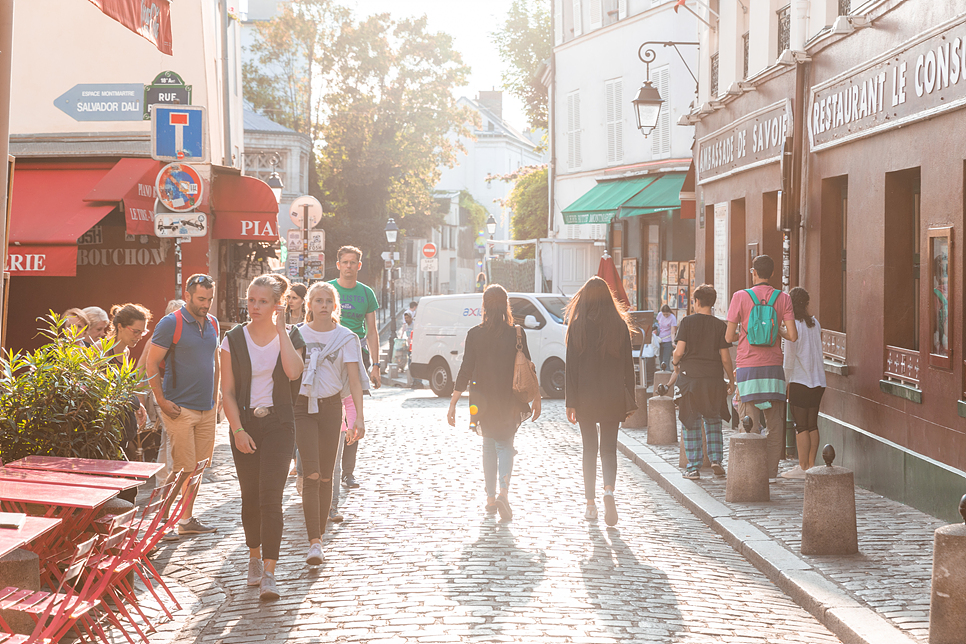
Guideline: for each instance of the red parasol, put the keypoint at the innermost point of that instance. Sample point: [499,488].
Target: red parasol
[608,272]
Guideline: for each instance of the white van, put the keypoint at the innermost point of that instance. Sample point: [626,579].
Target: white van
[439,337]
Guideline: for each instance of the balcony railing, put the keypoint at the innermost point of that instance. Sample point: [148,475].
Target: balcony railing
[784,28]
[744,42]
[845,7]
[902,365]
[833,345]
[714,75]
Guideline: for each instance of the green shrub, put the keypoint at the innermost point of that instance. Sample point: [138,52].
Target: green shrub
[64,399]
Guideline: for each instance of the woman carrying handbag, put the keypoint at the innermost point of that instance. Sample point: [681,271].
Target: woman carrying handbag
[496,410]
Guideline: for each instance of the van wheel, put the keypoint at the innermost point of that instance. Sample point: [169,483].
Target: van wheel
[553,378]
[439,379]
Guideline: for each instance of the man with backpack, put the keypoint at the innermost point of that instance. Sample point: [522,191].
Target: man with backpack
[182,369]
[763,314]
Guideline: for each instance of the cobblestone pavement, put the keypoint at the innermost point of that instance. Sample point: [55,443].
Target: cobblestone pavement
[417,559]
[892,572]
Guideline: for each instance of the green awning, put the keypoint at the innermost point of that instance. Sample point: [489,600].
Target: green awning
[663,194]
[599,204]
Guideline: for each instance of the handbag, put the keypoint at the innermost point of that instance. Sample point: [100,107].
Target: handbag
[525,385]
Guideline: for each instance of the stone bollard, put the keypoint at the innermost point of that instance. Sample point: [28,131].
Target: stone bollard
[20,568]
[683,458]
[747,467]
[662,425]
[828,513]
[638,420]
[113,507]
[947,608]
[661,377]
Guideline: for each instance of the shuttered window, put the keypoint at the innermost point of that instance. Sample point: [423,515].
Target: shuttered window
[621,9]
[614,95]
[661,136]
[558,22]
[574,159]
[573,231]
[598,231]
[578,22]
[596,14]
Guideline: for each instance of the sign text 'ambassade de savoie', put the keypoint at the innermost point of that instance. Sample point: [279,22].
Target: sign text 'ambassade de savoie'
[753,140]
[919,79]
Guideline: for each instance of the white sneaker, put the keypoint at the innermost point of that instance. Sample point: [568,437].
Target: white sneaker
[314,558]
[795,473]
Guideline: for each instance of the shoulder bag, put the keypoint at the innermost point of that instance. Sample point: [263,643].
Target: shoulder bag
[525,385]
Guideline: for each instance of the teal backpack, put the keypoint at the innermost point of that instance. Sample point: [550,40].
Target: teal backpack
[762,327]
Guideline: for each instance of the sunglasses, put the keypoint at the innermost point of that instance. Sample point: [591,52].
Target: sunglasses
[200,280]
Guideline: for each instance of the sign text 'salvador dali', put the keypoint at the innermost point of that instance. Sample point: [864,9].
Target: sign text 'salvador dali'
[752,140]
[913,81]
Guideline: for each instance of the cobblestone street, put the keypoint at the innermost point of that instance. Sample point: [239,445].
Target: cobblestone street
[418,560]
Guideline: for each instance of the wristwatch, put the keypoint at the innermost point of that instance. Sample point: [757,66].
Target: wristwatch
[376,364]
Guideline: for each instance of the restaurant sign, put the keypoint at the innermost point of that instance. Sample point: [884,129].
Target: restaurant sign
[752,141]
[920,79]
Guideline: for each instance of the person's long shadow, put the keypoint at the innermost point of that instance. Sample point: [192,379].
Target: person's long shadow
[614,577]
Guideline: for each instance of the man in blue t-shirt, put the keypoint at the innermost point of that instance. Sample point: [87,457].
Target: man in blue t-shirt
[186,395]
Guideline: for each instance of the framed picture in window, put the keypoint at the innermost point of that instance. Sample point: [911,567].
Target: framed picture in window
[939,255]
[663,273]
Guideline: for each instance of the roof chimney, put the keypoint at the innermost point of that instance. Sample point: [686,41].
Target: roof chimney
[493,101]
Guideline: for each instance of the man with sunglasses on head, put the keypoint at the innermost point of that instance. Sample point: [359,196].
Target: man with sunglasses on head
[186,342]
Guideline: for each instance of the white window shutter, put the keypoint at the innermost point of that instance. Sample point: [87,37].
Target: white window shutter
[596,14]
[615,115]
[621,9]
[661,136]
[578,22]
[558,15]
[578,159]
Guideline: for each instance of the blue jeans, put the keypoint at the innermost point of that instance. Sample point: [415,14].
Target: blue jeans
[497,461]
[667,350]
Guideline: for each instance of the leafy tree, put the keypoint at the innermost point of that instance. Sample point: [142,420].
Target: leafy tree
[473,222]
[528,202]
[524,43]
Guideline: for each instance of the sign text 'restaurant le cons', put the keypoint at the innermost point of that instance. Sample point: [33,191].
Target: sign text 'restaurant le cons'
[919,79]
[753,140]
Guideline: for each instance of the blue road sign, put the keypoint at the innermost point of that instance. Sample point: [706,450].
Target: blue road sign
[102,102]
[178,133]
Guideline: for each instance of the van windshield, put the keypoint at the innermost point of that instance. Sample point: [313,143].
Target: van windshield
[555,307]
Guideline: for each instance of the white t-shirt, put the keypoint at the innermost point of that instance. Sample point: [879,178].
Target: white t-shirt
[804,360]
[331,371]
[263,360]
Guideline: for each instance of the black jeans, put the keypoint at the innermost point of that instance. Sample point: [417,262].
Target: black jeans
[318,438]
[261,477]
[349,451]
[608,455]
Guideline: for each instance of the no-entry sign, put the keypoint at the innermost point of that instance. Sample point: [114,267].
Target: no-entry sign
[429,250]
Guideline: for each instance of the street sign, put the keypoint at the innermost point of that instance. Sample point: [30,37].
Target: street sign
[385,255]
[429,264]
[181,224]
[178,133]
[167,88]
[294,240]
[316,241]
[314,266]
[388,264]
[429,250]
[179,187]
[102,102]
[297,211]
[293,265]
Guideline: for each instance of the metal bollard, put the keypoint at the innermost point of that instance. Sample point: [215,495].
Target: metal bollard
[747,467]
[947,607]
[828,513]
[662,426]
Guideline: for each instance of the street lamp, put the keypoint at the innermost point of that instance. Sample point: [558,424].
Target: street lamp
[392,232]
[275,180]
[647,105]
[491,226]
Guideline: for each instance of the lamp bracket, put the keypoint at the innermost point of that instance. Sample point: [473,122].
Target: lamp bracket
[649,55]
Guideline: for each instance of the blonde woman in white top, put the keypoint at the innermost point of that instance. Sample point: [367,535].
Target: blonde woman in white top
[805,372]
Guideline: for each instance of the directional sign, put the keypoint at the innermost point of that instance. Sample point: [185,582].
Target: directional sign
[181,224]
[178,133]
[297,211]
[429,264]
[166,88]
[102,102]
[429,250]
[179,187]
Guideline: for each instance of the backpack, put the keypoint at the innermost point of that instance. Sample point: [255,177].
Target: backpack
[178,326]
[762,327]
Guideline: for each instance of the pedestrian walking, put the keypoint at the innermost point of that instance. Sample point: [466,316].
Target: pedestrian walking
[600,385]
[805,369]
[757,317]
[79,325]
[259,361]
[99,323]
[185,343]
[702,361]
[359,306]
[295,300]
[667,328]
[488,360]
[333,367]
[412,309]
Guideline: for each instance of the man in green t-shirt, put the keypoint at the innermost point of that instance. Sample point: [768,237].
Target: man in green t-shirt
[359,306]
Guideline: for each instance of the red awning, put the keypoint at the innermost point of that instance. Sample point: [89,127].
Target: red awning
[688,197]
[131,182]
[244,208]
[150,19]
[49,214]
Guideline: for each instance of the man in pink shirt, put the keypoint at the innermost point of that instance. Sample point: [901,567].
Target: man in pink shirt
[759,373]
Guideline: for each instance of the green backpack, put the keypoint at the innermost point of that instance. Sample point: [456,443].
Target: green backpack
[762,327]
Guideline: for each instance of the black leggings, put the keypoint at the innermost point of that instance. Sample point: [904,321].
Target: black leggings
[261,477]
[806,419]
[318,437]
[608,455]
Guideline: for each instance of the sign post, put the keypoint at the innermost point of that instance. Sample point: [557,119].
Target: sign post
[178,133]
[306,213]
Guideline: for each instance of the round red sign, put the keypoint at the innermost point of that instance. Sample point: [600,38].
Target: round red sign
[180,187]
[429,250]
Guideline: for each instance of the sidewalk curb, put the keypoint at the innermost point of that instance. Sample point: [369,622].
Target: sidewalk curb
[849,620]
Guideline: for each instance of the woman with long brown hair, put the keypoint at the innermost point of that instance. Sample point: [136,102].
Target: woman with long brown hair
[496,411]
[600,384]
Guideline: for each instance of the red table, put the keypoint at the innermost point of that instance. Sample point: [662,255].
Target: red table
[127,469]
[33,527]
[64,478]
